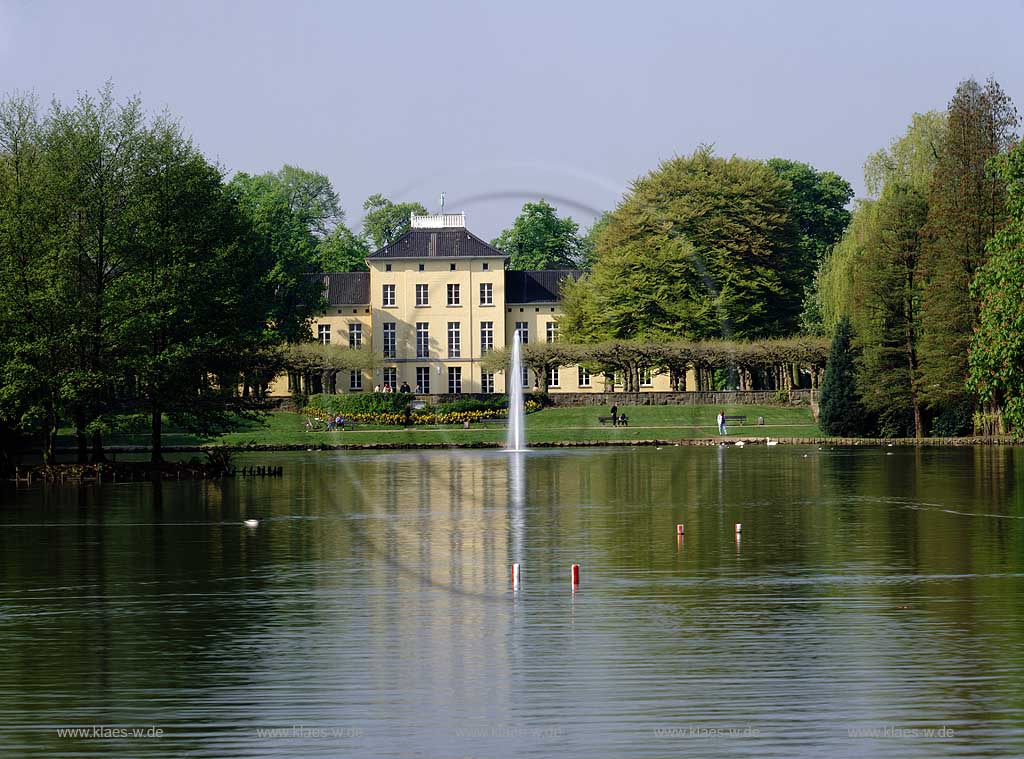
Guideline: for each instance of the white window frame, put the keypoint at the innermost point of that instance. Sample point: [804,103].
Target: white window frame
[454,339]
[454,380]
[524,332]
[583,376]
[422,294]
[355,334]
[323,334]
[355,380]
[422,340]
[486,294]
[423,373]
[390,341]
[388,298]
[486,383]
[486,337]
[454,294]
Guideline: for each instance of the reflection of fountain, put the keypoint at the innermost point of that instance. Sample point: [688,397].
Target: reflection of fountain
[516,414]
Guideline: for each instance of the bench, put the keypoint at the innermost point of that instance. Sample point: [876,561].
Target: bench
[606,419]
[737,419]
[498,421]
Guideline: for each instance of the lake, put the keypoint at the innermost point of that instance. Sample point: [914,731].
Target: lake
[873,606]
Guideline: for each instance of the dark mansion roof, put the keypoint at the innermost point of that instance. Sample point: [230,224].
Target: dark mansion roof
[445,242]
[347,288]
[537,286]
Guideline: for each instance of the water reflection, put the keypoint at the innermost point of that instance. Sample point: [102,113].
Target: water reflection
[374,599]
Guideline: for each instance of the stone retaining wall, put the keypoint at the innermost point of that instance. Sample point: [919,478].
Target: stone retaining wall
[725,398]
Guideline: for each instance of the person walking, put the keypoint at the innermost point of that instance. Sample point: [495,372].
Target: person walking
[615,415]
[721,422]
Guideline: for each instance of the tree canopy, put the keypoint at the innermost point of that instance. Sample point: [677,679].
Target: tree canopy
[384,221]
[701,247]
[539,239]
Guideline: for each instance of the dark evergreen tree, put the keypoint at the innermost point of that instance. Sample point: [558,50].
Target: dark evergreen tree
[842,412]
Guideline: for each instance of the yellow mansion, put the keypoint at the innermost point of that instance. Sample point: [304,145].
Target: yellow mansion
[433,302]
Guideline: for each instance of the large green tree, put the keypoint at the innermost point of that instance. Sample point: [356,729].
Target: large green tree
[385,221]
[701,247]
[539,239]
[966,207]
[194,286]
[286,232]
[887,292]
[997,347]
[841,410]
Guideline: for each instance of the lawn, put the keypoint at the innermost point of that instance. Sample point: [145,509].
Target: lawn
[547,426]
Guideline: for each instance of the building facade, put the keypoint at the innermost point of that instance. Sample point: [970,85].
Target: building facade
[433,303]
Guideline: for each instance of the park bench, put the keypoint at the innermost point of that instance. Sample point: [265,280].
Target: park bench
[737,419]
[606,419]
[498,421]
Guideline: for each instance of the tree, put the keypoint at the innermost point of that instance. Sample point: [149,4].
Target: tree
[911,159]
[887,293]
[842,413]
[34,283]
[997,347]
[701,247]
[384,221]
[539,239]
[343,250]
[197,297]
[588,243]
[93,150]
[286,236]
[966,208]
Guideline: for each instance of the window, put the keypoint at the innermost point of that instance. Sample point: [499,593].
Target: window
[355,380]
[486,337]
[453,295]
[526,377]
[486,294]
[355,335]
[421,267]
[524,332]
[389,295]
[646,377]
[486,266]
[390,340]
[454,340]
[553,376]
[486,382]
[391,377]
[454,380]
[584,377]
[387,267]
[552,331]
[422,340]
[422,379]
[422,295]
[324,333]
[453,267]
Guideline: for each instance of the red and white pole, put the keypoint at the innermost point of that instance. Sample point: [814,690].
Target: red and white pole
[679,529]
[575,575]
[739,528]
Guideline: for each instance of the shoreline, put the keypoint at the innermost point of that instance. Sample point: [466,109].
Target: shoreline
[709,441]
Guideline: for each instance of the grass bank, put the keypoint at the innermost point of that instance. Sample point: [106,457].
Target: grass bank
[551,425]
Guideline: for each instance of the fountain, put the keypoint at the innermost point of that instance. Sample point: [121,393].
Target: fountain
[516,412]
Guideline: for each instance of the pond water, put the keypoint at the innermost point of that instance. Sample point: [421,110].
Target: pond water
[874,606]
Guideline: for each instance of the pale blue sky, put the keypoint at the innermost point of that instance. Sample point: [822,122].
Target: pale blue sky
[497,103]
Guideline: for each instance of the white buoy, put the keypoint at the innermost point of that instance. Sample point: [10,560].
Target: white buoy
[739,528]
[515,575]
[252,523]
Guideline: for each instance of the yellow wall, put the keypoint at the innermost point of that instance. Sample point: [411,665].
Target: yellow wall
[437,274]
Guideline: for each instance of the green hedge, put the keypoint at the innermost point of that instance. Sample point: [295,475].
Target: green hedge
[361,403]
[488,403]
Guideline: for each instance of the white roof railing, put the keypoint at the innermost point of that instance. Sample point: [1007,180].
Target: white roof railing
[437,220]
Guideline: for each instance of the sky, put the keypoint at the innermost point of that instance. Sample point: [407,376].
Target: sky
[497,104]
